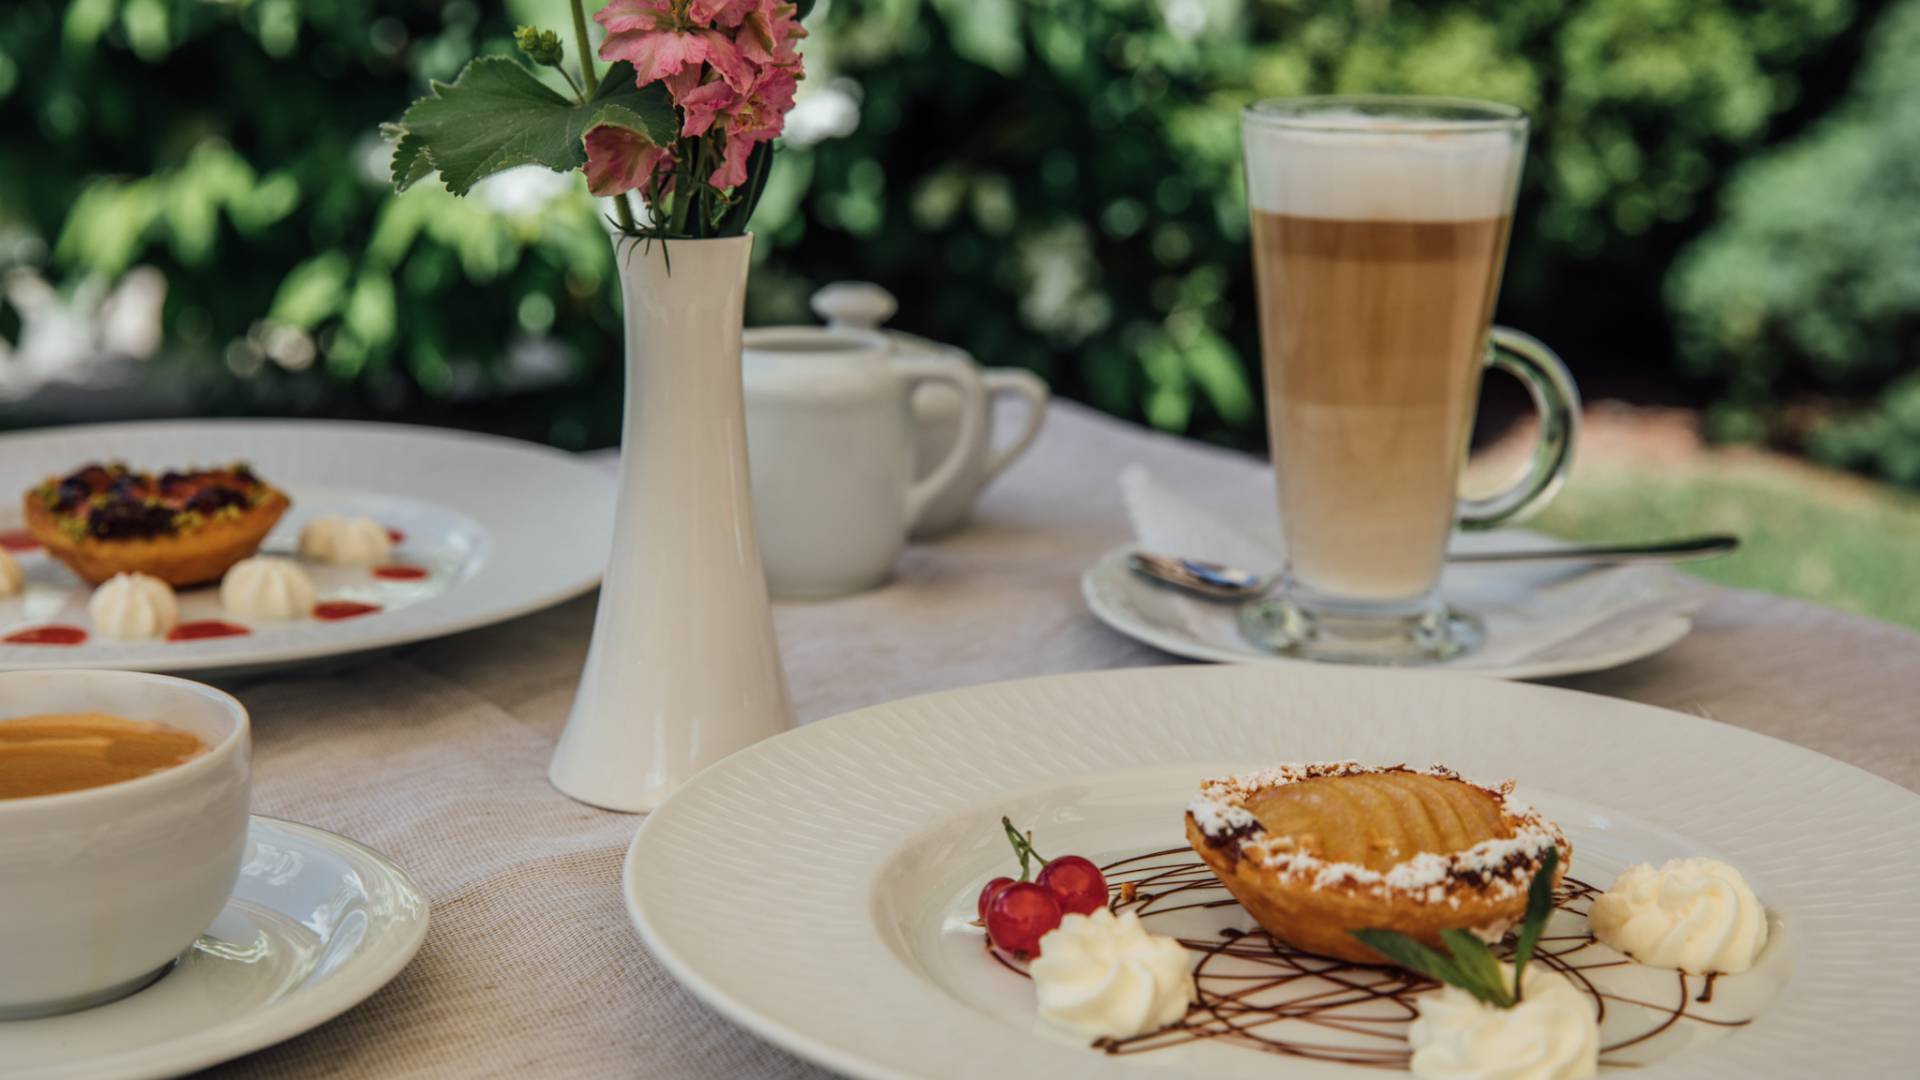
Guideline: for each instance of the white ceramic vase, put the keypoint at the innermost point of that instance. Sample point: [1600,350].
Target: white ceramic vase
[684,668]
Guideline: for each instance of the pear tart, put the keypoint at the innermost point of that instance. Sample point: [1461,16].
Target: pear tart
[1314,851]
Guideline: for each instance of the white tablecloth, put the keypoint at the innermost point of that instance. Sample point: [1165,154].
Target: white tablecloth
[438,757]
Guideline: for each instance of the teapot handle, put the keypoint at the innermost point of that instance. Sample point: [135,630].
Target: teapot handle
[963,376]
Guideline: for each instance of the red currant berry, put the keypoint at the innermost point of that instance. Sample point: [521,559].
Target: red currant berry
[992,890]
[1020,915]
[1076,883]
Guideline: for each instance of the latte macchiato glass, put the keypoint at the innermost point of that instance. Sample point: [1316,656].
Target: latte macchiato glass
[1379,229]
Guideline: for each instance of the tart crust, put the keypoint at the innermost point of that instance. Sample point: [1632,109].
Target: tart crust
[1312,903]
[180,559]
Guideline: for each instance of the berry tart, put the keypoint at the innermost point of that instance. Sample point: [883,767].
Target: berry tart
[1315,851]
[185,528]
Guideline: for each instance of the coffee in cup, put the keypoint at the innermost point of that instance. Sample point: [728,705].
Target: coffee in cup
[59,752]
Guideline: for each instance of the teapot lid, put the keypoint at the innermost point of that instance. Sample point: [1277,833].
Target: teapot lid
[858,304]
[863,305]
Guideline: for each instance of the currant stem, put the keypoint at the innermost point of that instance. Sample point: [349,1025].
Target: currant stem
[1022,846]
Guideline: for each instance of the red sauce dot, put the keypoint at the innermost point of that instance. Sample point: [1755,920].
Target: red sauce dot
[205,628]
[47,635]
[400,572]
[18,540]
[396,536]
[343,609]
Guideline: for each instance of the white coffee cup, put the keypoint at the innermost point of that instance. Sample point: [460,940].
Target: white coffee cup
[830,443]
[102,888]
[861,305]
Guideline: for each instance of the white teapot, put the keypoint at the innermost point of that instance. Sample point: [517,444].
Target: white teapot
[937,408]
[830,445]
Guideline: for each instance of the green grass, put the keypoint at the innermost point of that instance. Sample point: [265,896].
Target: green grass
[1824,537]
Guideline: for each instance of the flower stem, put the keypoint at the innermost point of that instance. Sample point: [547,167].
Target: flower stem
[587,74]
[622,211]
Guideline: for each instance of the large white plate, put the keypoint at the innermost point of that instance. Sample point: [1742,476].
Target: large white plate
[316,923]
[817,887]
[503,527]
[1640,611]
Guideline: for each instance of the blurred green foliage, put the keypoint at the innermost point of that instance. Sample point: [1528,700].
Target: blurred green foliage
[1056,182]
[235,146]
[1804,299]
[1050,183]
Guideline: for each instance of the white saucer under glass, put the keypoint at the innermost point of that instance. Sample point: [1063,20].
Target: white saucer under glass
[1537,621]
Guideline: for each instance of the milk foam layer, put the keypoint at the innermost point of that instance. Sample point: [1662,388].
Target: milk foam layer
[1353,166]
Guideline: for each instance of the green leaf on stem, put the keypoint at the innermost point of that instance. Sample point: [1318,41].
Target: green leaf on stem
[496,115]
[759,164]
[1469,962]
[1539,906]
[1478,963]
[409,164]
[1412,955]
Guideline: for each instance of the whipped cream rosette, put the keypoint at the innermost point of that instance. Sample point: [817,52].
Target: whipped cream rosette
[265,587]
[349,541]
[1550,1033]
[131,606]
[1103,975]
[1697,915]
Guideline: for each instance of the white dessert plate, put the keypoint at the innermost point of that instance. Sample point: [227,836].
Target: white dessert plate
[316,923]
[819,888]
[499,527]
[1542,621]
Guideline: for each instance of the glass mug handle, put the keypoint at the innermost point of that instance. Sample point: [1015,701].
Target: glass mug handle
[1550,385]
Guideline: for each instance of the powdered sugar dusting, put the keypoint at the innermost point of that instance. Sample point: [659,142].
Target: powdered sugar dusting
[1501,867]
[1216,817]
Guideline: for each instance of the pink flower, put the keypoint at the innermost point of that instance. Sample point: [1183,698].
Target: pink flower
[705,104]
[755,117]
[730,67]
[727,13]
[768,33]
[643,32]
[621,16]
[620,159]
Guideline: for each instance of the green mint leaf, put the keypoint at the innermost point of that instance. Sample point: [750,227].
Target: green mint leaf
[496,115]
[1480,966]
[1413,956]
[1539,906]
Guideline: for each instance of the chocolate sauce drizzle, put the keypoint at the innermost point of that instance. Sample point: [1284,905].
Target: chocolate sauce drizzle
[1269,996]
